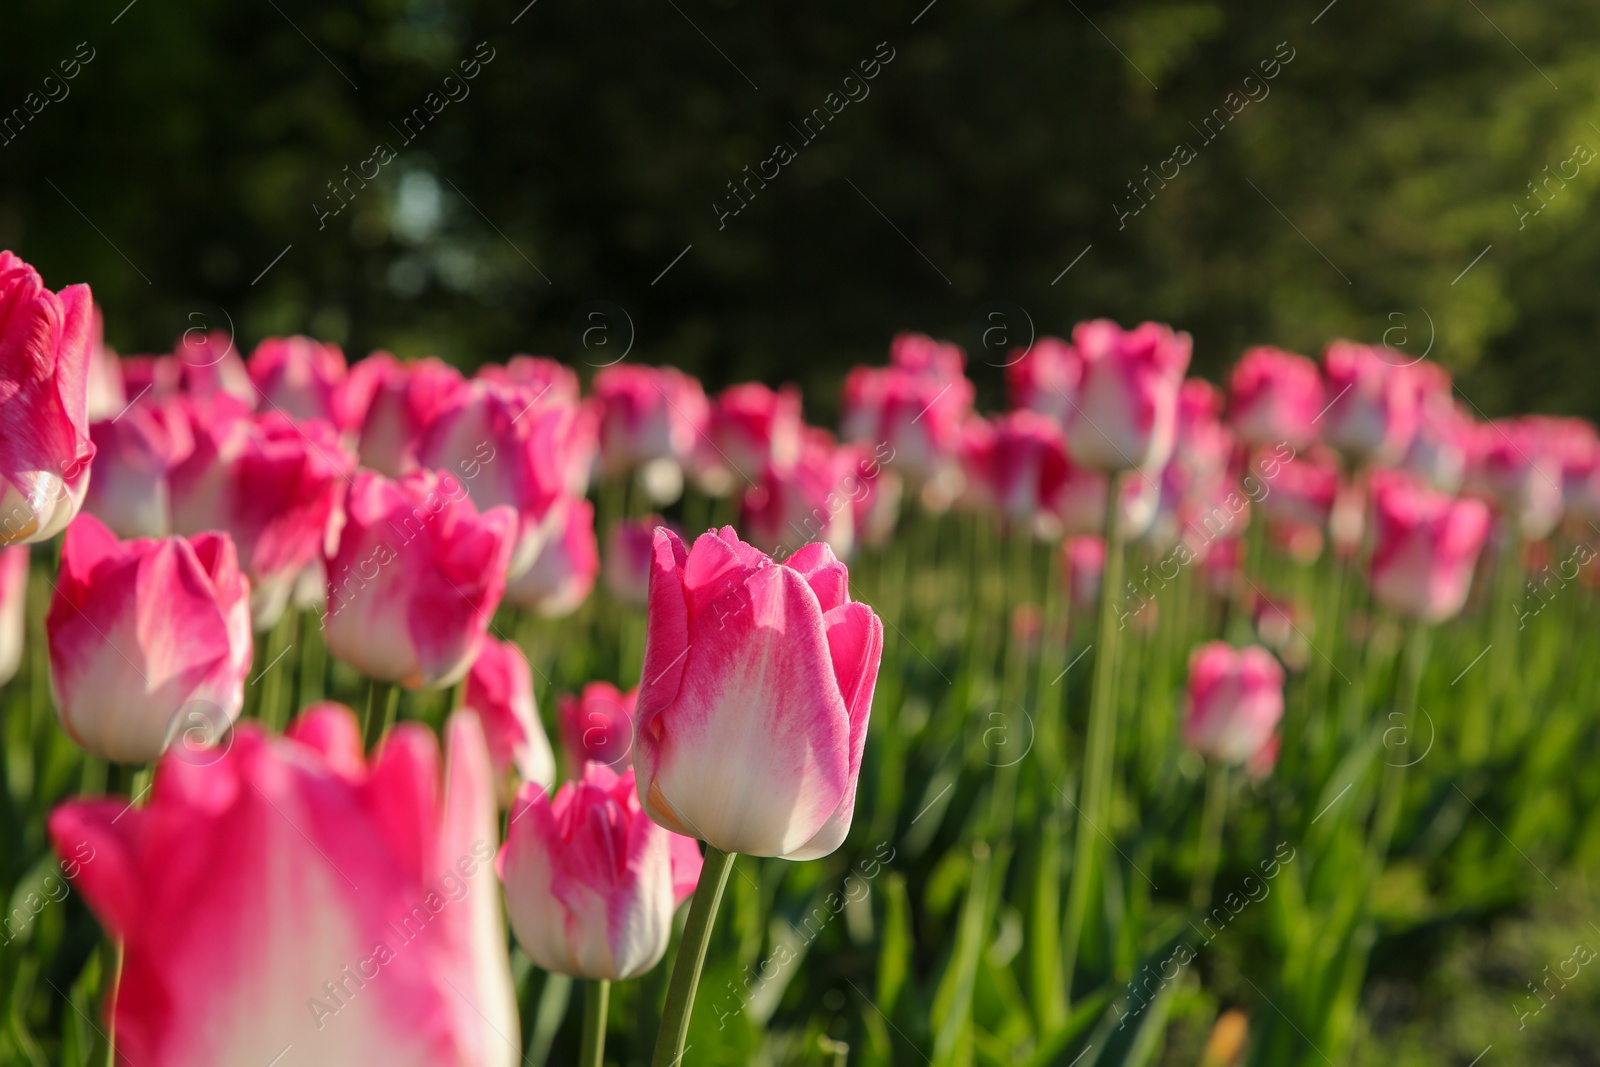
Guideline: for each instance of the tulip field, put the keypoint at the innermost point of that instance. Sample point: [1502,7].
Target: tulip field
[376,711]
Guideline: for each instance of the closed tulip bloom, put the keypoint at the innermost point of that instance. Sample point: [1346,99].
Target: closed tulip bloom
[1442,447]
[551,380]
[1080,502]
[627,561]
[272,483]
[562,574]
[209,363]
[304,379]
[416,578]
[808,502]
[757,684]
[1274,396]
[406,399]
[44,423]
[1425,546]
[104,394]
[1299,490]
[500,689]
[1127,412]
[1516,466]
[13,608]
[755,428]
[135,455]
[1020,462]
[651,417]
[597,725]
[145,637]
[875,492]
[293,895]
[916,406]
[1045,378]
[591,883]
[1373,394]
[1235,700]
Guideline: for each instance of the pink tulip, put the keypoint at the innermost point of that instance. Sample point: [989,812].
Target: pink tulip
[755,428]
[13,609]
[1235,700]
[272,483]
[597,725]
[874,491]
[628,555]
[1425,545]
[1442,447]
[1516,465]
[1046,379]
[416,578]
[209,363]
[1126,415]
[500,689]
[135,455]
[563,574]
[1080,502]
[305,379]
[146,639]
[406,399]
[1018,462]
[915,406]
[591,883]
[1273,397]
[757,683]
[374,932]
[654,418]
[551,380]
[1300,490]
[1373,394]
[808,502]
[44,424]
[105,396]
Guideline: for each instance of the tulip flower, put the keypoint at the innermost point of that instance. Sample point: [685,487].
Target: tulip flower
[757,683]
[44,424]
[1425,545]
[551,380]
[406,399]
[1371,412]
[1516,465]
[1274,397]
[562,575]
[627,558]
[104,394]
[1299,489]
[874,491]
[1126,414]
[305,379]
[1235,699]
[13,608]
[597,725]
[915,406]
[208,363]
[653,418]
[591,883]
[1443,444]
[500,689]
[135,455]
[755,429]
[1045,378]
[807,502]
[272,483]
[1018,462]
[146,637]
[293,896]
[416,578]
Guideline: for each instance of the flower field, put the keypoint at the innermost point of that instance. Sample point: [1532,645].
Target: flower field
[373,711]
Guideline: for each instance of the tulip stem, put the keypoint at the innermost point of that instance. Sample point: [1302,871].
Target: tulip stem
[382,701]
[1211,822]
[596,998]
[674,1030]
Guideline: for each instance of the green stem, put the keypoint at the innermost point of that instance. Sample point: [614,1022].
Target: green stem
[1392,791]
[383,699]
[1211,822]
[596,998]
[1094,795]
[674,1030]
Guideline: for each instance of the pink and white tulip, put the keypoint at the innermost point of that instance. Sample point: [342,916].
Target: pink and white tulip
[562,575]
[499,688]
[591,883]
[406,399]
[653,419]
[416,578]
[305,379]
[1516,465]
[1274,396]
[1373,395]
[1126,416]
[915,406]
[374,931]
[146,638]
[757,684]
[1046,379]
[1425,546]
[627,559]
[807,502]
[1235,700]
[754,429]
[597,725]
[135,455]
[13,609]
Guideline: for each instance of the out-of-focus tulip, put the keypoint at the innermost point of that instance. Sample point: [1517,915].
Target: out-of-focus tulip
[1299,490]
[13,608]
[209,363]
[627,558]
[1080,502]
[1443,443]
[1273,396]
[755,428]
[591,883]
[406,399]
[874,492]
[1235,700]
[416,578]
[563,574]
[500,689]
[1515,465]
[915,406]
[1126,415]
[1018,462]
[597,725]
[135,455]
[1083,562]
[45,449]
[374,931]
[808,502]
[271,483]
[104,395]
[551,380]
[147,638]
[1425,545]
[1046,379]
[757,683]
[653,418]
[305,379]
[1373,394]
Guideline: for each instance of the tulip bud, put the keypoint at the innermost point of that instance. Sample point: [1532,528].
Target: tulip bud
[1371,411]
[807,502]
[145,635]
[757,684]
[135,455]
[1424,548]
[1515,465]
[1045,379]
[754,429]
[44,380]
[591,883]
[500,689]
[650,416]
[406,399]
[1235,700]
[1126,416]
[1273,398]
[305,379]
[563,573]
[597,726]
[417,575]
[627,559]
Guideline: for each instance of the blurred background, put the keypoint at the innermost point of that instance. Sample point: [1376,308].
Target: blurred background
[1409,173]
